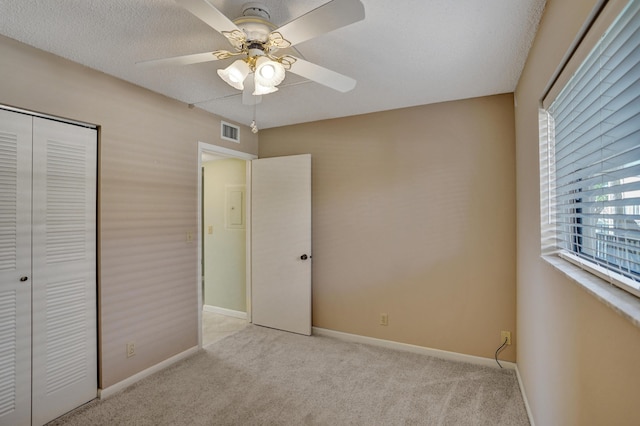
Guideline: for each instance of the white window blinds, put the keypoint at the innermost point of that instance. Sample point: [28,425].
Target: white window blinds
[594,135]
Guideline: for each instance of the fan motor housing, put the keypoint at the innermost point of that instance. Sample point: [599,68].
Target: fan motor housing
[254,22]
[255,9]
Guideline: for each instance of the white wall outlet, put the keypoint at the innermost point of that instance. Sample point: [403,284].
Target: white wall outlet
[384,319]
[131,349]
[505,335]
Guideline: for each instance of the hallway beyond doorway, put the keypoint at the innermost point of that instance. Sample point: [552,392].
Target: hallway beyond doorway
[217,326]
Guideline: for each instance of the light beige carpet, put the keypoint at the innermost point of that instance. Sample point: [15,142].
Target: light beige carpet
[216,326]
[260,376]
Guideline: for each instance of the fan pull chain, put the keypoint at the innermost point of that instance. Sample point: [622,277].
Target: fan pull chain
[254,126]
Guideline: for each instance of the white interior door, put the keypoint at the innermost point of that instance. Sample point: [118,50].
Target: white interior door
[15,268]
[281,243]
[64,268]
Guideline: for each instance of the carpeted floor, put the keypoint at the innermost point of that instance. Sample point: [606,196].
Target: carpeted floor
[216,326]
[260,376]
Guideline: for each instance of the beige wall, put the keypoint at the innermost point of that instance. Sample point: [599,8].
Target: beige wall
[414,216]
[225,248]
[148,199]
[577,358]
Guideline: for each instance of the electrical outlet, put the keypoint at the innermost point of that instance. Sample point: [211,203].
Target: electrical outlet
[384,319]
[505,335]
[189,237]
[131,349]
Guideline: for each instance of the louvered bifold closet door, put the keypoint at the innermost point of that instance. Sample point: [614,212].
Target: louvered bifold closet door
[15,268]
[64,268]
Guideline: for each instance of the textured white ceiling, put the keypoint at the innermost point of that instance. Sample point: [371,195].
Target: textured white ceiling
[404,53]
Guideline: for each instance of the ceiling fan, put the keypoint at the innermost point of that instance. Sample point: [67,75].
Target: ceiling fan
[256,42]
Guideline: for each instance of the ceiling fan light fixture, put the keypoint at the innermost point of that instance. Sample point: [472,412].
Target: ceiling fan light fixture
[235,74]
[268,73]
[263,90]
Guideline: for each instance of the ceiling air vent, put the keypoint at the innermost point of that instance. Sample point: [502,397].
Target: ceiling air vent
[229,132]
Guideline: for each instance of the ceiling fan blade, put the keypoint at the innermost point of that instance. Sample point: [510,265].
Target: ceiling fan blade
[181,60]
[328,17]
[322,75]
[247,94]
[206,12]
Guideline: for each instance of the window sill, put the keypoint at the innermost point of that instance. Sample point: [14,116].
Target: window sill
[617,299]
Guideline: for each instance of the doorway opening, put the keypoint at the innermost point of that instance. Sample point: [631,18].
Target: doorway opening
[224,241]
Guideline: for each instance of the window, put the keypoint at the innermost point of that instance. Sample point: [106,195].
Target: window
[590,159]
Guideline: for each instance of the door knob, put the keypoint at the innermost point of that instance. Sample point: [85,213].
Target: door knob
[23,279]
[304,257]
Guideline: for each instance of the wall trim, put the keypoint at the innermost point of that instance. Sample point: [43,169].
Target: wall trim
[225,311]
[113,389]
[451,356]
[524,397]
[231,153]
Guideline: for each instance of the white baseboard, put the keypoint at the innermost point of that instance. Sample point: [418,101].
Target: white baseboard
[111,390]
[453,356]
[225,311]
[524,397]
